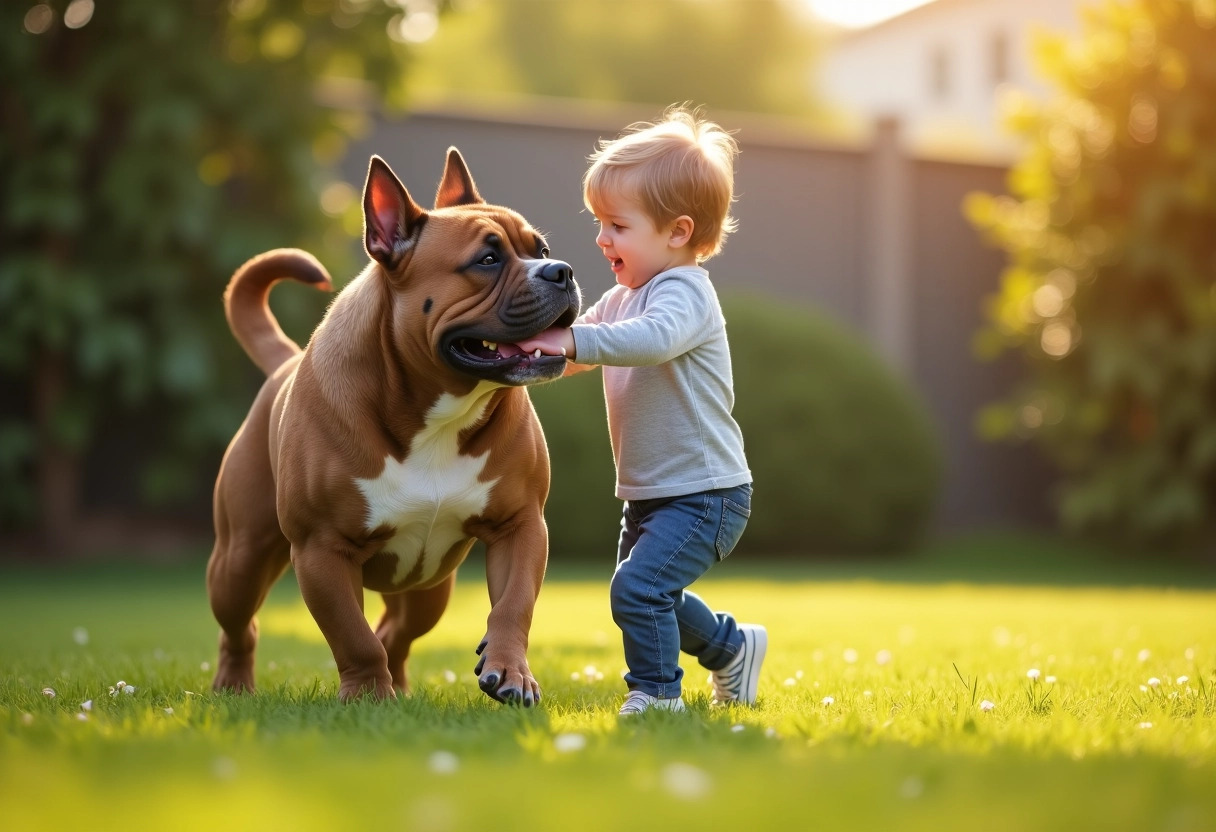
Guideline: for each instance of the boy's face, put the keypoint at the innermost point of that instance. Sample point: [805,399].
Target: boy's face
[635,248]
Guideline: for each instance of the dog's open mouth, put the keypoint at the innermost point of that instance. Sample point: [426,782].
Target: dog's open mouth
[493,351]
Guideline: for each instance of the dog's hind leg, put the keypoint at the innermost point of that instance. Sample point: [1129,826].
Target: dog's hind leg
[250,554]
[407,616]
[238,582]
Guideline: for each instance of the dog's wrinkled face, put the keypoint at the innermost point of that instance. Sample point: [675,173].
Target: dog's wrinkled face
[468,279]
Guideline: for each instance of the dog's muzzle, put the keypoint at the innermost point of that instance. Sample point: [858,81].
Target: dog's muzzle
[548,297]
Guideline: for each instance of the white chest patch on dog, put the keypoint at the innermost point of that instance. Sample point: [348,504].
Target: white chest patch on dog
[429,495]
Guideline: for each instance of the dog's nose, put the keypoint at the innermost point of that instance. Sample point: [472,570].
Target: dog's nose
[555,271]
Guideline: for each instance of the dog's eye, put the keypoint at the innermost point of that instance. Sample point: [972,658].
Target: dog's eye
[544,252]
[490,259]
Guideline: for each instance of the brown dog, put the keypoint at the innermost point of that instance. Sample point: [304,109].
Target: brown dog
[374,457]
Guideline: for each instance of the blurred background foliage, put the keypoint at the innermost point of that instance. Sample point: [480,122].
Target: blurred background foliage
[725,54]
[148,149]
[841,448]
[1109,294]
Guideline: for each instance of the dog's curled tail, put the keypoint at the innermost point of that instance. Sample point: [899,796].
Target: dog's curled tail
[249,315]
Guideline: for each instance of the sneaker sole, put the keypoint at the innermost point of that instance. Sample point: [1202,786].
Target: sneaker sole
[755,641]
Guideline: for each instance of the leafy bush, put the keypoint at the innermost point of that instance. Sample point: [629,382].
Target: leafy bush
[843,454]
[1109,291]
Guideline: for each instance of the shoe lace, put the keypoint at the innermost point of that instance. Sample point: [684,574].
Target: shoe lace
[636,701]
[728,681]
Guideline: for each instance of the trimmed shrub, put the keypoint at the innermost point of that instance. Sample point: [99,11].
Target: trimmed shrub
[842,451]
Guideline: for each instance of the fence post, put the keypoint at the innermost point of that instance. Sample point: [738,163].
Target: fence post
[887,239]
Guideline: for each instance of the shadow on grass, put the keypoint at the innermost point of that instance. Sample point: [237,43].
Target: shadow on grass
[1015,558]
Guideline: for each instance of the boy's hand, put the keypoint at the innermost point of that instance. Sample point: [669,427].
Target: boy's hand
[550,342]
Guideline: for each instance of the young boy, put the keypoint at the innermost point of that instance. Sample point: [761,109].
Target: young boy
[661,194]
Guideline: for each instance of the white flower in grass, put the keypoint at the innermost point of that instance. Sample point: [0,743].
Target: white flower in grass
[205,666]
[575,676]
[169,711]
[565,743]
[912,788]
[87,705]
[1182,680]
[82,717]
[850,655]
[1144,655]
[1145,725]
[797,674]
[48,692]
[1033,673]
[686,781]
[735,729]
[1154,682]
[81,636]
[883,657]
[986,706]
[770,732]
[867,694]
[449,676]
[1144,688]
[790,682]
[1051,680]
[128,689]
[443,762]
[827,700]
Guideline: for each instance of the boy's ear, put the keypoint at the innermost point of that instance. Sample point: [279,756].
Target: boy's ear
[681,231]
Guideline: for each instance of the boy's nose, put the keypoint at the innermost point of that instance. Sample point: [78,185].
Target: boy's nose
[601,239]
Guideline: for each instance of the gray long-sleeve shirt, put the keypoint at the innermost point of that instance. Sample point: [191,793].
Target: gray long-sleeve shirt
[668,385]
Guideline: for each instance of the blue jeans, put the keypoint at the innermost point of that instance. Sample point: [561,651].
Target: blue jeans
[665,545]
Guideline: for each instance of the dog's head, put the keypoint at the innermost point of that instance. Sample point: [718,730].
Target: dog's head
[468,279]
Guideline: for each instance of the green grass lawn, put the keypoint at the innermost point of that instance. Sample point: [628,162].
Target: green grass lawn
[870,714]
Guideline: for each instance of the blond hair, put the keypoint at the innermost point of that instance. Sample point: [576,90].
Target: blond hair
[681,165]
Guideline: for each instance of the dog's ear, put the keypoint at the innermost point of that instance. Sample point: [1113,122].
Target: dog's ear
[456,187]
[390,216]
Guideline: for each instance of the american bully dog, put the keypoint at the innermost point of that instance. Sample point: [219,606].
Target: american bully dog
[374,457]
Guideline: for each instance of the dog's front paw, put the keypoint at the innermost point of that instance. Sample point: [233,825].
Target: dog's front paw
[504,679]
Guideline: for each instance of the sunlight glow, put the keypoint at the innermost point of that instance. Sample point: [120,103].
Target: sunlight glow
[858,13]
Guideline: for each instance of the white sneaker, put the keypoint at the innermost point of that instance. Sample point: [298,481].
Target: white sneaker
[737,682]
[637,701]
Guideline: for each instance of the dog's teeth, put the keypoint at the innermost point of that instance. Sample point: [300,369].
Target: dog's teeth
[490,345]
[537,353]
[563,350]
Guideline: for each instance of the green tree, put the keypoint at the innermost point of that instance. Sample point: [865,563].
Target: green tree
[747,55]
[148,148]
[1109,293]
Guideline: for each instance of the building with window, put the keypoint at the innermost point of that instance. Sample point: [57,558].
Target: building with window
[942,68]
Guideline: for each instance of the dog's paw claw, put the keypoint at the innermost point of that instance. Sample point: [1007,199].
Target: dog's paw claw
[480,664]
[482,646]
[490,683]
